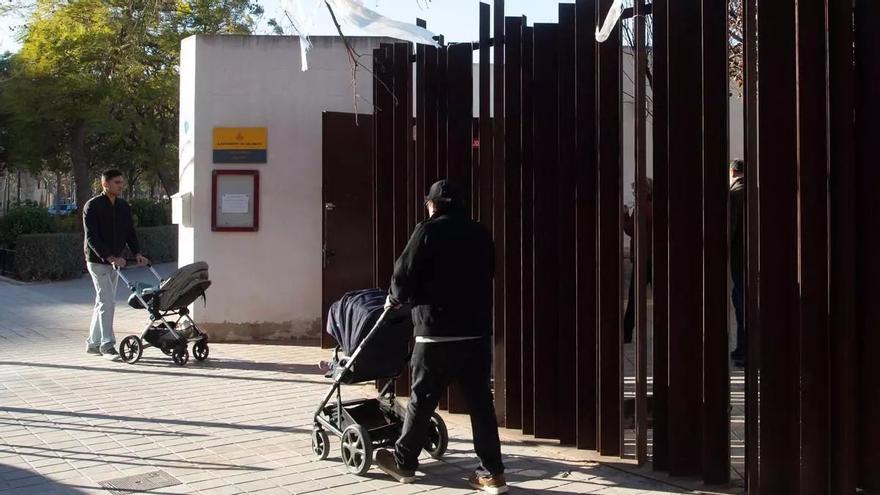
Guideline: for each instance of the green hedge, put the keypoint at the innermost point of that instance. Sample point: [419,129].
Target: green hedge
[149,213]
[25,218]
[60,256]
[49,256]
[159,243]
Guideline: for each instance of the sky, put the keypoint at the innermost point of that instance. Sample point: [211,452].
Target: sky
[457,20]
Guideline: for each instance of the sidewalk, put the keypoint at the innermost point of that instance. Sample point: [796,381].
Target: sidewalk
[236,423]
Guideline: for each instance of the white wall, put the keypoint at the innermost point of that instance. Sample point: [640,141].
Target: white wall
[266,284]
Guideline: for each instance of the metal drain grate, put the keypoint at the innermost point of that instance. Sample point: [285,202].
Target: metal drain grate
[140,483]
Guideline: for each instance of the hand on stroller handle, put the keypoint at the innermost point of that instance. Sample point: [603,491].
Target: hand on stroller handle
[130,263]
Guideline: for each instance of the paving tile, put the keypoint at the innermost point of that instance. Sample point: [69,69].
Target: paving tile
[237,423]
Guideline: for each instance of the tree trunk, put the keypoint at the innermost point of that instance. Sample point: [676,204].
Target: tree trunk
[169,182]
[57,188]
[81,176]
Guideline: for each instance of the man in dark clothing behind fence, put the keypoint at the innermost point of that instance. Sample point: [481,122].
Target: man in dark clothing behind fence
[445,273]
[737,273]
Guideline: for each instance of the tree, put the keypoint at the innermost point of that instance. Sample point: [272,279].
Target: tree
[96,84]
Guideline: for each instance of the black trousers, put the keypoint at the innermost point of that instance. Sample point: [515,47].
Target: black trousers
[737,295]
[434,366]
[629,316]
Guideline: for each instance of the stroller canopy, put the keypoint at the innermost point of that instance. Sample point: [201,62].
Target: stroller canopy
[352,317]
[184,286]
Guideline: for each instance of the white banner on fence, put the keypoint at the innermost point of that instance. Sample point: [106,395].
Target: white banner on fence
[351,14]
[611,19]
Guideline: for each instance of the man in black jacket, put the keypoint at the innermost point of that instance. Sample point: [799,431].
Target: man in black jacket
[108,228]
[445,273]
[737,274]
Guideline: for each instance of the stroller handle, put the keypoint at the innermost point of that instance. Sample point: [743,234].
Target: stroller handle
[119,271]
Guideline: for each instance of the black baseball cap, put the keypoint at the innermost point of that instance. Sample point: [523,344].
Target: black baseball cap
[444,191]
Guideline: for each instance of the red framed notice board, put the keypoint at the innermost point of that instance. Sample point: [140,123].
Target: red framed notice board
[235,201]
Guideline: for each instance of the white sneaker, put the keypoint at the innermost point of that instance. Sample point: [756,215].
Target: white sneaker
[111,355]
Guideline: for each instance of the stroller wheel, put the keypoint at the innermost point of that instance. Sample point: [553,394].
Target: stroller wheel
[131,349]
[438,437]
[357,451]
[320,443]
[180,355]
[200,350]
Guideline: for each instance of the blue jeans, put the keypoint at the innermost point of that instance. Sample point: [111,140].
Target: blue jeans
[101,329]
[737,296]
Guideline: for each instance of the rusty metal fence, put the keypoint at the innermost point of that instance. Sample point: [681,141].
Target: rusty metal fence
[545,175]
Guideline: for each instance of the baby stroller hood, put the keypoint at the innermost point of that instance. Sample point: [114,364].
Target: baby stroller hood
[184,286]
[352,317]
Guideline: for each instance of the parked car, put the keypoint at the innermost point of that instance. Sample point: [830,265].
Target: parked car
[62,210]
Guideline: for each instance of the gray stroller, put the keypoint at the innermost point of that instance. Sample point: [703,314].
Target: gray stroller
[170,328]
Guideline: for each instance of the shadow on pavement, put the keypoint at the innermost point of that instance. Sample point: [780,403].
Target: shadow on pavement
[141,368]
[129,460]
[17,480]
[181,422]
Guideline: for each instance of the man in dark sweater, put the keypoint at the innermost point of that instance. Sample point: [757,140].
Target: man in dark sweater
[737,273]
[445,273]
[108,227]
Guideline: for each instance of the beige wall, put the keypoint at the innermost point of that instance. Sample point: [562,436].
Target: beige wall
[266,284]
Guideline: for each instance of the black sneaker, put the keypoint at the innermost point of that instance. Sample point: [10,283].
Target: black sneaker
[386,462]
[93,350]
[110,355]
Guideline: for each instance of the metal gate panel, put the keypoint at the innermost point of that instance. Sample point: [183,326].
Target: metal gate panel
[685,233]
[716,368]
[778,291]
[660,254]
[512,221]
[813,248]
[867,18]
[610,165]
[528,235]
[566,302]
[546,277]
[586,223]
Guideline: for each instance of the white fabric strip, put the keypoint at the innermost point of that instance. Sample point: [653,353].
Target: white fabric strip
[611,19]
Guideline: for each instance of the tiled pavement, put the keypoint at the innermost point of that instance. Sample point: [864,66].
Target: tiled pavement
[237,423]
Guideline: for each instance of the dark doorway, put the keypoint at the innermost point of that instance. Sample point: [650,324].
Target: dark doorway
[348,212]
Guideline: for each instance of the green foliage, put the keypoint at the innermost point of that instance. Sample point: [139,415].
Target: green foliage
[95,84]
[60,255]
[69,224]
[24,218]
[159,243]
[149,213]
[49,256]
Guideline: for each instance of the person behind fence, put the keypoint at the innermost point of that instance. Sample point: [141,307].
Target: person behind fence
[737,274]
[629,227]
[109,227]
[445,273]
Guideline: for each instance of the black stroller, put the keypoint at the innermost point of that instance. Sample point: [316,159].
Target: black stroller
[170,328]
[376,347]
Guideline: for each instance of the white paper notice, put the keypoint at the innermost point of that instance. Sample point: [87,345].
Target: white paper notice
[234,203]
